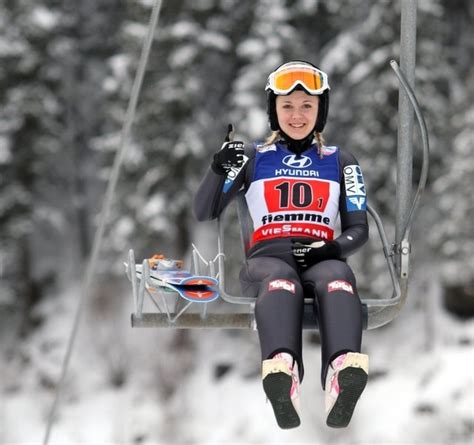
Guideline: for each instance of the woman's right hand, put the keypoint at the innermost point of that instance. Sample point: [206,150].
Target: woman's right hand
[230,155]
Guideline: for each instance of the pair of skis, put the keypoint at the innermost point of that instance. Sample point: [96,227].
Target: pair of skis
[168,275]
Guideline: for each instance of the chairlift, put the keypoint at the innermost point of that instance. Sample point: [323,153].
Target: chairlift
[174,312]
[179,314]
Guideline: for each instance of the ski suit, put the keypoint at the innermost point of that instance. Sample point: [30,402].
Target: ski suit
[297,197]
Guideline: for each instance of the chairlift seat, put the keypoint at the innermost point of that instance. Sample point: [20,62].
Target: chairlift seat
[377,312]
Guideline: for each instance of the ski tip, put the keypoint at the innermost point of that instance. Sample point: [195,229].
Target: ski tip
[199,281]
[202,295]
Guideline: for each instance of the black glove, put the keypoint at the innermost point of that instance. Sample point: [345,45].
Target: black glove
[307,255]
[230,155]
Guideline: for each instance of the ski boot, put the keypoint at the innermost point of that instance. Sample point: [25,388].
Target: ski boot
[282,386]
[345,381]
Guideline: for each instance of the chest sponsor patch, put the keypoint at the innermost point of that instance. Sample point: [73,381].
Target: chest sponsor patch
[337,285]
[282,285]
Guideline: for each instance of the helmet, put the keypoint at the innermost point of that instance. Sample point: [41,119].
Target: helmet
[298,75]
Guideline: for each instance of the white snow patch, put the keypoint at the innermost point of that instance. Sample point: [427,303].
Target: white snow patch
[415,395]
[183,55]
[251,49]
[256,122]
[44,18]
[183,29]
[215,40]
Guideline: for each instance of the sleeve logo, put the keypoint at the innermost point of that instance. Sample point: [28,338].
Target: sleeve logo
[355,188]
[356,203]
[232,174]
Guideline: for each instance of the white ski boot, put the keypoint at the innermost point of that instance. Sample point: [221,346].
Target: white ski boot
[281,384]
[345,381]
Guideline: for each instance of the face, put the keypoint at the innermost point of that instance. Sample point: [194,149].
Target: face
[297,113]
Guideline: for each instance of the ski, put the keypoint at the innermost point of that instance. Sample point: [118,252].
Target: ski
[168,275]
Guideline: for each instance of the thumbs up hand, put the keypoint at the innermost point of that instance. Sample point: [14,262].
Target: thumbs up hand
[230,155]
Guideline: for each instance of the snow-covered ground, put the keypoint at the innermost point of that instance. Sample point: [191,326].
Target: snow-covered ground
[149,386]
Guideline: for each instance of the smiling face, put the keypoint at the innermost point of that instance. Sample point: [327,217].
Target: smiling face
[297,113]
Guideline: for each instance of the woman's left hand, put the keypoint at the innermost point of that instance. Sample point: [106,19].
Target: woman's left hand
[307,255]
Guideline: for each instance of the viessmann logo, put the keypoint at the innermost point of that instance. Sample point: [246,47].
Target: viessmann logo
[294,162]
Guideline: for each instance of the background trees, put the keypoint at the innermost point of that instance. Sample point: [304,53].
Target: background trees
[66,70]
[66,75]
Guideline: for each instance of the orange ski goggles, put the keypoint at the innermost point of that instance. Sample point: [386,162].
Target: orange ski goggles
[288,76]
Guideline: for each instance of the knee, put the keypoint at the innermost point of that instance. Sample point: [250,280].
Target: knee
[337,270]
[281,280]
[333,276]
[268,275]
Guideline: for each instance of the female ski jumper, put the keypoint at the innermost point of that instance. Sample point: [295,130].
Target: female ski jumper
[295,188]
[297,198]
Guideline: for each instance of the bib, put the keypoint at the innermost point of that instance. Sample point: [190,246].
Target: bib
[294,196]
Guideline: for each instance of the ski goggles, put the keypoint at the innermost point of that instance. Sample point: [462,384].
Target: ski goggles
[285,79]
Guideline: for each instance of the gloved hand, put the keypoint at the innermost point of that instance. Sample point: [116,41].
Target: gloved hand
[307,255]
[230,155]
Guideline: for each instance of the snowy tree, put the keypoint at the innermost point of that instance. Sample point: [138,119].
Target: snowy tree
[66,77]
[451,234]
[29,131]
[180,122]
[51,113]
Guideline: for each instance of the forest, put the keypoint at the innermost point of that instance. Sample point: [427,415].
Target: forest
[67,68]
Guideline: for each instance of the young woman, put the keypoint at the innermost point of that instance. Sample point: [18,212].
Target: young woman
[295,187]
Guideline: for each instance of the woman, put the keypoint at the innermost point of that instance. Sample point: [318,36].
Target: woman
[295,188]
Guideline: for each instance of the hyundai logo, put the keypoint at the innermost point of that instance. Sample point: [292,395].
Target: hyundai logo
[293,161]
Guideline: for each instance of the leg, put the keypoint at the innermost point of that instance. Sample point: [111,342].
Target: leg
[279,313]
[344,370]
[279,306]
[338,308]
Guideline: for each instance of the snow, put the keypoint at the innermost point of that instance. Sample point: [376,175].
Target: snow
[154,207]
[256,122]
[308,6]
[10,48]
[183,55]
[420,391]
[44,18]
[215,40]
[252,49]
[184,29]
[119,66]
[136,30]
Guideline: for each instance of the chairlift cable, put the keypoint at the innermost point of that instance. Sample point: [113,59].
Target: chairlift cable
[106,206]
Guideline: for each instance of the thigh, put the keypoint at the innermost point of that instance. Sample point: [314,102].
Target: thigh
[259,272]
[264,268]
[328,276]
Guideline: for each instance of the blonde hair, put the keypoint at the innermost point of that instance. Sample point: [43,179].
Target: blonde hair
[275,136]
